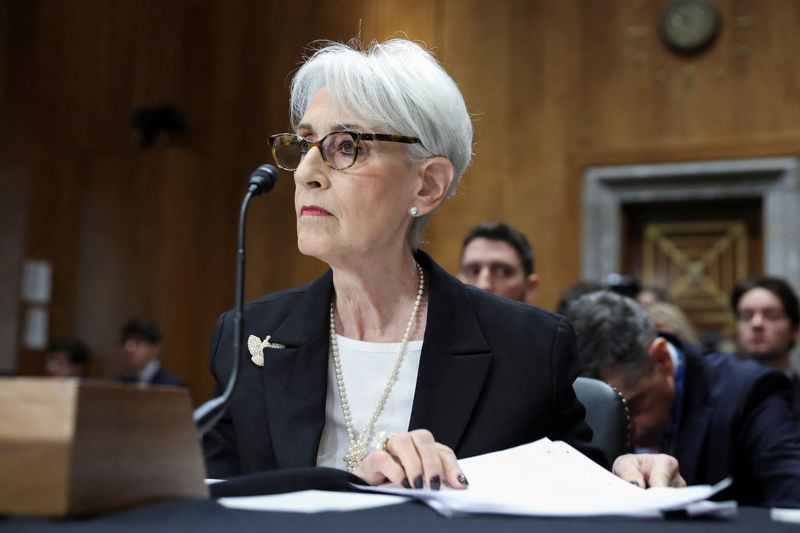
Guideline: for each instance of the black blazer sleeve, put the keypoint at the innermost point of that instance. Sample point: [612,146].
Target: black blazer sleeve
[771,442]
[569,425]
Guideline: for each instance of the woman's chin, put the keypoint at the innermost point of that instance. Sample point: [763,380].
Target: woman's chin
[313,247]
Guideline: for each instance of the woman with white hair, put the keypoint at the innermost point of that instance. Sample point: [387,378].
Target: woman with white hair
[386,366]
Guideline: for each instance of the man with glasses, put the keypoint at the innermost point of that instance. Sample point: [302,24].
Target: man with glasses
[768,324]
[496,257]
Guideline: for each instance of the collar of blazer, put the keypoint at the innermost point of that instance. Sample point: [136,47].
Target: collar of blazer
[448,384]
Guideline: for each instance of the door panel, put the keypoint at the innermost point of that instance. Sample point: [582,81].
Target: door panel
[696,251]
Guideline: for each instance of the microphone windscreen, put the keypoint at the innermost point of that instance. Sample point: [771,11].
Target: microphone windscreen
[263,179]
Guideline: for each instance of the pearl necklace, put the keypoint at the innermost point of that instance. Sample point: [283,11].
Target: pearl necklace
[358,446]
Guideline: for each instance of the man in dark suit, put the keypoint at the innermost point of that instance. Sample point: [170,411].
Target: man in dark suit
[768,324]
[141,349]
[719,415]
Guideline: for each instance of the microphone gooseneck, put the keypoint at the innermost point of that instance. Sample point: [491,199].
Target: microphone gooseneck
[262,180]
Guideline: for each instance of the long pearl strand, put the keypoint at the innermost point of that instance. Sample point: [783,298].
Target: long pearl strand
[358,445]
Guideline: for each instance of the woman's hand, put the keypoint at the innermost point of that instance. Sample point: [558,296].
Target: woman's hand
[649,470]
[413,459]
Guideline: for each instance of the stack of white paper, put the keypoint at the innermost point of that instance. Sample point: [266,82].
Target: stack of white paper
[311,501]
[547,478]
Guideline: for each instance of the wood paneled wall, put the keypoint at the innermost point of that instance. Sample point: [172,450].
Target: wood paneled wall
[554,86]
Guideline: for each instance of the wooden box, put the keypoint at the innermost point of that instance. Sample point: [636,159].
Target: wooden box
[72,447]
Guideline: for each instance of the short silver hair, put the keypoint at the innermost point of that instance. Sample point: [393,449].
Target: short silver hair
[397,87]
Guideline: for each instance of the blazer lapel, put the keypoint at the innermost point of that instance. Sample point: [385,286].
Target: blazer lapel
[455,359]
[295,378]
[454,363]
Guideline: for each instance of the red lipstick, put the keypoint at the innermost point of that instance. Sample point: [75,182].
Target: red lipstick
[313,211]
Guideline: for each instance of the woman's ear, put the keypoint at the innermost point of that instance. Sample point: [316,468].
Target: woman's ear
[436,173]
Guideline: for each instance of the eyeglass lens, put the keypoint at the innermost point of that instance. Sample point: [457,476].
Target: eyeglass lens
[339,150]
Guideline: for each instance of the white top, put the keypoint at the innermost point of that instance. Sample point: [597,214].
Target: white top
[365,368]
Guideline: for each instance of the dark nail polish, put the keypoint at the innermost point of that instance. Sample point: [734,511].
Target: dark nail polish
[406,484]
[418,482]
[436,482]
[635,483]
[463,479]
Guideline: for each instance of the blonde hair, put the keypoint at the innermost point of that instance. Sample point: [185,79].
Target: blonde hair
[670,318]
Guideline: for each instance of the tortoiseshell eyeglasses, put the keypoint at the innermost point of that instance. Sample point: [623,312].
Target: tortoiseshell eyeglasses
[339,149]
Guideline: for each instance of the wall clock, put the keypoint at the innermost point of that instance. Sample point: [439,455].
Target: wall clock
[690,26]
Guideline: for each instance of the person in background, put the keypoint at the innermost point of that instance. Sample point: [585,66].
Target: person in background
[575,291]
[669,318]
[623,284]
[496,257]
[141,349]
[718,414]
[768,324]
[651,294]
[67,358]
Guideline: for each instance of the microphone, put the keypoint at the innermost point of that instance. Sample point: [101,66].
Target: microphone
[262,180]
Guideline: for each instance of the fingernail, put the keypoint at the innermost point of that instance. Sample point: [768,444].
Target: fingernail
[463,479]
[436,482]
[406,484]
[418,482]
[636,483]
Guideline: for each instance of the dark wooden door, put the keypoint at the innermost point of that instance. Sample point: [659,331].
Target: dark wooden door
[696,251]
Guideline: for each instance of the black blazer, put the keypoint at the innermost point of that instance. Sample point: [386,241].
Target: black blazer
[795,377]
[161,377]
[492,374]
[736,420]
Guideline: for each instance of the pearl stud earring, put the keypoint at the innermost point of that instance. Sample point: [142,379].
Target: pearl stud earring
[413,211]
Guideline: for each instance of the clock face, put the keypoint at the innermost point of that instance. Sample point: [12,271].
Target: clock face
[689,26]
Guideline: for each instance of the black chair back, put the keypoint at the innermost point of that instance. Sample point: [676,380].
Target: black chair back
[607,414]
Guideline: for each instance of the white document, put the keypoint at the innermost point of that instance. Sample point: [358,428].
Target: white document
[312,501]
[547,478]
[791,516]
